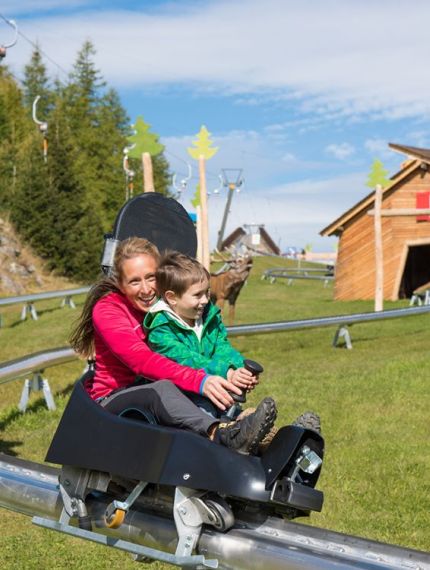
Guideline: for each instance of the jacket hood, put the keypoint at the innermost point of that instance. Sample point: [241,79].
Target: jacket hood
[161,313]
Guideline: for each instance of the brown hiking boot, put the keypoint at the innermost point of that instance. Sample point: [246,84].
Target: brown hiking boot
[309,420]
[244,435]
[267,439]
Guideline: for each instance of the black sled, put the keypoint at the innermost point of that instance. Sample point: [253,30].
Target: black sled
[133,459]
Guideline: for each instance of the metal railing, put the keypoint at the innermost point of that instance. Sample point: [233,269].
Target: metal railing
[272,275]
[29,300]
[36,363]
[34,366]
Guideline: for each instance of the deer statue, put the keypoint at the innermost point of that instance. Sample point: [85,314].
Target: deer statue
[226,285]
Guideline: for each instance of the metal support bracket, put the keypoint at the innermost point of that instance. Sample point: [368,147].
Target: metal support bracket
[190,512]
[125,505]
[36,384]
[196,562]
[342,332]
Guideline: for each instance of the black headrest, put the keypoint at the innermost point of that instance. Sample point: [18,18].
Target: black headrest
[161,220]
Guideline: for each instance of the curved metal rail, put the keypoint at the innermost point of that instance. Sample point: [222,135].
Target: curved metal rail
[266,544]
[42,296]
[338,320]
[28,300]
[40,360]
[36,362]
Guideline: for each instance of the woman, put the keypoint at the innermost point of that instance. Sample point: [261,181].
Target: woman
[110,328]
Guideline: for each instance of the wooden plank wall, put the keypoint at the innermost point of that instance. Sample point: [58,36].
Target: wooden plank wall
[355,267]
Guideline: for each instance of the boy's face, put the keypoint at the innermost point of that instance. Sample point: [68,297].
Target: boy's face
[190,305]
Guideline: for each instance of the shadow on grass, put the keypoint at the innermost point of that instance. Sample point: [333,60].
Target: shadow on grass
[8,447]
[39,313]
[39,404]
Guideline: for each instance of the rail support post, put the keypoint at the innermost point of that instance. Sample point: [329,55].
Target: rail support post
[68,302]
[342,332]
[29,308]
[36,384]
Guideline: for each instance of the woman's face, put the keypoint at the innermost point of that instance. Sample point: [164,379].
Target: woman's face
[137,281]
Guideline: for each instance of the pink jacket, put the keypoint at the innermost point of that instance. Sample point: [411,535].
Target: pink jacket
[122,352]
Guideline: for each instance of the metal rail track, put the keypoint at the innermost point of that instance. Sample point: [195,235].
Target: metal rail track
[29,300]
[38,361]
[252,544]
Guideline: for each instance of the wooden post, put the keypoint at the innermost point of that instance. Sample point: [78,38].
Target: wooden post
[199,234]
[204,213]
[148,178]
[379,260]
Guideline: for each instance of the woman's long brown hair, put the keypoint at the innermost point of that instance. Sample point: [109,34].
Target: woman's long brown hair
[82,336]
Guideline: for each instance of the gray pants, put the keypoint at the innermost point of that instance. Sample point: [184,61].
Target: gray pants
[164,401]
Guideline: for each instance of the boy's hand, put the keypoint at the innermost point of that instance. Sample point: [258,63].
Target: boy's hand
[217,390]
[242,378]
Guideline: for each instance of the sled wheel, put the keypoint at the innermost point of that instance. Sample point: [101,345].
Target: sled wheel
[116,519]
[223,515]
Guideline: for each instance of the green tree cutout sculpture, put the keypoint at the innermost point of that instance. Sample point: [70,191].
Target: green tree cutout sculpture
[377,175]
[203,145]
[145,146]
[143,140]
[196,198]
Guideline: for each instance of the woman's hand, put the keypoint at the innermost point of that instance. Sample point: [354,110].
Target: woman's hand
[242,378]
[217,390]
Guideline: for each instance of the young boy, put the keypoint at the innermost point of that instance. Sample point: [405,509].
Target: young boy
[186,327]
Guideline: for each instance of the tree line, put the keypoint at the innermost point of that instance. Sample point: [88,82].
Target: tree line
[64,203]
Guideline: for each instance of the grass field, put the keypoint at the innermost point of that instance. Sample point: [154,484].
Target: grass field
[373,400]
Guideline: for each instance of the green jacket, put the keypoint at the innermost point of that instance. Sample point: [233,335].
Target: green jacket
[179,342]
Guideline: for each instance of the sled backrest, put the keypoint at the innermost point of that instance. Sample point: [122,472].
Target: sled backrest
[161,220]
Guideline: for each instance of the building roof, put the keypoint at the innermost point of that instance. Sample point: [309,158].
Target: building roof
[269,241]
[229,240]
[412,151]
[240,232]
[418,156]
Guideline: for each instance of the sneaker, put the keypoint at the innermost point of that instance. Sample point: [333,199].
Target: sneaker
[309,420]
[245,435]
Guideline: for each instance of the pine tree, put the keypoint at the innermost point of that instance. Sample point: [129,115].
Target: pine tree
[99,125]
[77,226]
[36,83]
[50,211]
[377,175]
[33,203]
[14,127]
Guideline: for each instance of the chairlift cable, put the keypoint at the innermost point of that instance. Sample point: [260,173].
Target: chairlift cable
[39,49]
[5,47]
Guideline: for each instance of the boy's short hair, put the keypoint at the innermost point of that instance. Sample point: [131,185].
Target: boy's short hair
[177,272]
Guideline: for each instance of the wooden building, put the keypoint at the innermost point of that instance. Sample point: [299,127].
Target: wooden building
[405,238]
[259,241]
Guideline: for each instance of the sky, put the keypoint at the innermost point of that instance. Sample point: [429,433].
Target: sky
[301,97]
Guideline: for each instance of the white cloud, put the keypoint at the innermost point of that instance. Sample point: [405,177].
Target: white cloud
[292,212]
[340,151]
[378,148]
[330,55]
